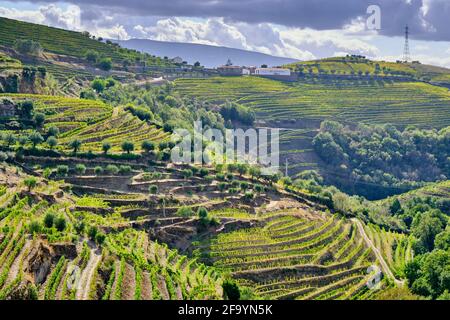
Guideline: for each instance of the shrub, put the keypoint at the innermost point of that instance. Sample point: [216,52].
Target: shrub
[112,169]
[34,227]
[153,189]
[244,185]
[60,224]
[187,173]
[92,56]
[98,85]
[231,290]
[49,219]
[203,172]
[28,46]
[92,232]
[80,168]
[98,170]
[222,186]
[185,212]
[202,213]
[62,170]
[249,196]
[124,169]
[105,64]
[3,156]
[79,227]
[100,238]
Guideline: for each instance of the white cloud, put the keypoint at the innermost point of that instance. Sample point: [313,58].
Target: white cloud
[68,18]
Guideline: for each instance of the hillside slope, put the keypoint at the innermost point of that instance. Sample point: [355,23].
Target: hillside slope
[208,56]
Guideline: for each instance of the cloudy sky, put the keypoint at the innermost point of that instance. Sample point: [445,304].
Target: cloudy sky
[302,29]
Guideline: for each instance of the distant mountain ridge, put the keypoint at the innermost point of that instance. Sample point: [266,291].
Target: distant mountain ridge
[209,56]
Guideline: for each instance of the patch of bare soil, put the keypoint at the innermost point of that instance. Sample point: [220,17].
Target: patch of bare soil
[129,283]
[146,287]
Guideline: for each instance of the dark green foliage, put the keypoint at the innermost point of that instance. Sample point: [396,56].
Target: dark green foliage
[92,232]
[60,223]
[236,112]
[35,138]
[105,64]
[49,219]
[231,290]
[381,159]
[28,47]
[127,146]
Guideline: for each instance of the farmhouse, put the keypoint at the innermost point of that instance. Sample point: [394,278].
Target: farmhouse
[230,70]
[272,72]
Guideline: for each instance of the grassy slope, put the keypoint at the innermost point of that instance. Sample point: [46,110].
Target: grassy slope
[410,103]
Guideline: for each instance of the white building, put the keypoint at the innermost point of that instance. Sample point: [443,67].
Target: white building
[272,72]
[246,72]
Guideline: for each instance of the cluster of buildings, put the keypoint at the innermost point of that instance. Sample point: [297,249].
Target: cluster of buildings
[231,70]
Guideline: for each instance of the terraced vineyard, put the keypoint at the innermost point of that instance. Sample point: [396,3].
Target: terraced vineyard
[399,103]
[295,255]
[396,248]
[65,42]
[349,65]
[92,122]
[66,266]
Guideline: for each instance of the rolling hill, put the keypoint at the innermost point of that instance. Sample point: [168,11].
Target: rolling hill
[208,56]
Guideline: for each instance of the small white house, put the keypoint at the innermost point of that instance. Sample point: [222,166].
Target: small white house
[245,72]
[272,72]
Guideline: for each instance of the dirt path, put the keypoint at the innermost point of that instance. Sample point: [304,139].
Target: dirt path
[377,252]
[87,275]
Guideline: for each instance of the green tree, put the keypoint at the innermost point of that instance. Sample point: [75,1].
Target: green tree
[53,131]
[80,168]
[30,183]
[425,228]
[39,119]
[98,85]
[127,146]
[52,142]
[148,146]
[75,145]
[35,139]
[106,147]
[92,56]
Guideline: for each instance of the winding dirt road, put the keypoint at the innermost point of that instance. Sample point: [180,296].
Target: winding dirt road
[384,266]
